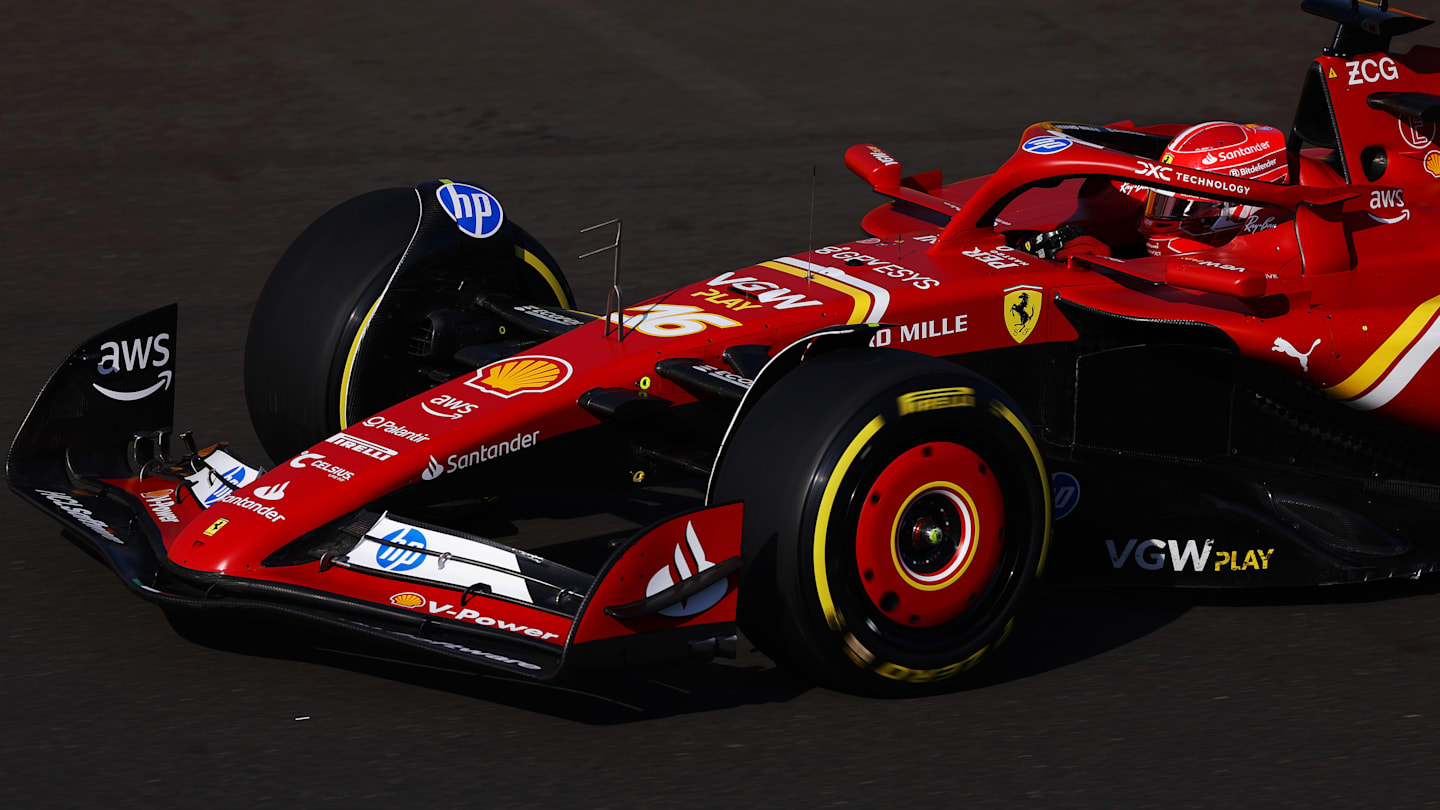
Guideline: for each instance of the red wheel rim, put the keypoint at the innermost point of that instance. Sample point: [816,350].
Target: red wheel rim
[930,534]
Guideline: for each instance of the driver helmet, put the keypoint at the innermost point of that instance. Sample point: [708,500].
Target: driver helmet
[1180,223]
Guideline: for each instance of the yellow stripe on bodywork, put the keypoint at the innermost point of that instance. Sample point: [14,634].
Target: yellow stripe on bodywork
[1005,413]
[863,301]
[1370,370]
[822,519]
[350,365]
[545,273]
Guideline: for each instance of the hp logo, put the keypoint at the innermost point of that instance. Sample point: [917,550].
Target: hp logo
[1047,144]
[474,209]
[393,558]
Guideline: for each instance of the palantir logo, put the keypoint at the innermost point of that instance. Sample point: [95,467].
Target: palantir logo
[405,556]
[474,210]
[135,355]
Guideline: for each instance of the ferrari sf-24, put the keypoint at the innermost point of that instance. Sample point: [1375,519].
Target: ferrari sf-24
[1179,355]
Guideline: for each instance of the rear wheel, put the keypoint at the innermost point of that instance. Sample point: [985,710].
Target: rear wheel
[896,512]
[368,305]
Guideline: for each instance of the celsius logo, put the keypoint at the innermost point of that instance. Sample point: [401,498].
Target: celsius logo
[474,209]
[274,492]
[299,461]
[682,570]
[317,460]
[1047,144]
[406,553]
[433,470]
[1065,490]
[448,407]
[135,355]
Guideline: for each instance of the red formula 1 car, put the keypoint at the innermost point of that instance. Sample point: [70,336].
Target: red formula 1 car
[884,431]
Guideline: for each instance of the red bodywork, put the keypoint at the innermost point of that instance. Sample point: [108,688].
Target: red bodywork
[1335,287]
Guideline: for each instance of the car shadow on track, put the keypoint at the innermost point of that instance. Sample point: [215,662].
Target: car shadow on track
[600,699]
[1060,628]
[1061,625]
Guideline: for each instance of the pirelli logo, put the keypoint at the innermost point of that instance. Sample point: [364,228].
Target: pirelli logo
[364,448]
[935,399]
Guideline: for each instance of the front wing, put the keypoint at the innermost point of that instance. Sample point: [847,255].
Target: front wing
[99,464]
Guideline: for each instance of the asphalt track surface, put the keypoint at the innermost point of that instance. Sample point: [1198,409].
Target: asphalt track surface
[169,151]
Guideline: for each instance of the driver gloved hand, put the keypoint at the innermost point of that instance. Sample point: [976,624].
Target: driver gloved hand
[1048,245]
[1062,243]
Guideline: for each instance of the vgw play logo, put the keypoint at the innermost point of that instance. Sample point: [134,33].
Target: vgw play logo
[140,354]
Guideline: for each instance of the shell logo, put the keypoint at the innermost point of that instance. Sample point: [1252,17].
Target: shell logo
[521,375]
[1432,163]
[407,600]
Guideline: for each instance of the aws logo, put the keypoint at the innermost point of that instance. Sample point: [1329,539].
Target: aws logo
[118,356]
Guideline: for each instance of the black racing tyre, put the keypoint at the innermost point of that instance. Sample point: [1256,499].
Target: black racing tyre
[333,334]
[897,510]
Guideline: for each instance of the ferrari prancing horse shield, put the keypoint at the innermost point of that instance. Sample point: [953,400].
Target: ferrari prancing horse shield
[1022,310]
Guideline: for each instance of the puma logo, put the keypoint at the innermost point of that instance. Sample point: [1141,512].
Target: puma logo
[1285,347]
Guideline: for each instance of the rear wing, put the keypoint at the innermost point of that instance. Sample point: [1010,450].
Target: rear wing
[1363,27]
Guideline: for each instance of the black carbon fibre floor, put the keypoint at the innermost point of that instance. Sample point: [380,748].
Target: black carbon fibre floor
[169,151]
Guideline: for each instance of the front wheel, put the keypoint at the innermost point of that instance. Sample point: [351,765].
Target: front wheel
[896,511]
[369,304]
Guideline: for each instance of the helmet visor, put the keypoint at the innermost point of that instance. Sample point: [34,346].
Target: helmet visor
[1168,206]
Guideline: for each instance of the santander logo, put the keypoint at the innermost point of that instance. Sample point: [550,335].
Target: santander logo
[274,492]
[681,570]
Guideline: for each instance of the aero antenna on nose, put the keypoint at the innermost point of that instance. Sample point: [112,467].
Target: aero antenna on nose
[616,297]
